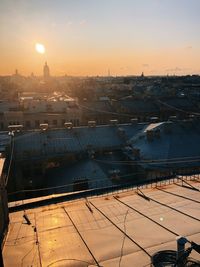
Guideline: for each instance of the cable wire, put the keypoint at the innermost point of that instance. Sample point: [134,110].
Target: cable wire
[124,237]
[177,195]
[106,112]
[11,159]
[68,185]
[178,109]
[80,235]
[172,208]
[152,162]
[147,217]
[130,238]
[86,262]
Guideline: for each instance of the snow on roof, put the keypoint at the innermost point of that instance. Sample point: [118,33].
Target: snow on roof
[106,230]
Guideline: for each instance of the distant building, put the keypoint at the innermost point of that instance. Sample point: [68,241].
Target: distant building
[16,72]
[46,71]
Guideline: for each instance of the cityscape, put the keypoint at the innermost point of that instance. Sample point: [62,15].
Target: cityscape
[99,133]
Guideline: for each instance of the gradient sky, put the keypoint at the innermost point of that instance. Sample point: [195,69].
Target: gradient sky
[88,37]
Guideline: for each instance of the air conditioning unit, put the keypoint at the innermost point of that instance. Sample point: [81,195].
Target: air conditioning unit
[92,124]
[68,125]
[15,128]
[134,120]
[114,122]
[44,126]
[154,119]
[173,118]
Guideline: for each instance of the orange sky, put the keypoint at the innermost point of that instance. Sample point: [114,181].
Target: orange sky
[127,37]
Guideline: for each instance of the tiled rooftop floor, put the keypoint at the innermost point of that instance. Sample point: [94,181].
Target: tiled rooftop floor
[71,234]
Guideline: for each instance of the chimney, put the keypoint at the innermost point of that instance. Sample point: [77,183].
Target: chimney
[136,153]
[149,135]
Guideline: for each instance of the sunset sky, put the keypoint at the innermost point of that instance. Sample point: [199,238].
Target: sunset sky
[88,37]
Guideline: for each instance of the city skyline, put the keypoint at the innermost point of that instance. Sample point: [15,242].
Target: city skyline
[91,37]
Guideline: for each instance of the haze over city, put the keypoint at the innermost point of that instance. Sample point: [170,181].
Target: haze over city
[91,37]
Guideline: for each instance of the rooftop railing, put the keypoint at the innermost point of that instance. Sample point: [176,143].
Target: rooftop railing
[43,196]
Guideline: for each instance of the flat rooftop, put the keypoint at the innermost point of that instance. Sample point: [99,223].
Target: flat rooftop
[119,229]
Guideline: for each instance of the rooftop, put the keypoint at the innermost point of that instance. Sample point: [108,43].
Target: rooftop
[111,230]
[178,141]
[60,141]
[139,105]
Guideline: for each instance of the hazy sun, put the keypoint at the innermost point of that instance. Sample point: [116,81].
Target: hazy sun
[40,48]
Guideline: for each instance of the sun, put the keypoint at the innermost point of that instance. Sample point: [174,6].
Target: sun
[40,48]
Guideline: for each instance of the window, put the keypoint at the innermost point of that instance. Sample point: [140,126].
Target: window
[37,123]
[49,107]
[28,124]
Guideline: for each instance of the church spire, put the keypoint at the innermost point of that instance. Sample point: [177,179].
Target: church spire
[46,72]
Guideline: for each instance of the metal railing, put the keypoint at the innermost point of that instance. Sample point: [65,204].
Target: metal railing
[4,219]
[99,187]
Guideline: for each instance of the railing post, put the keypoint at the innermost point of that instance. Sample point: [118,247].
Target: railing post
[1,258]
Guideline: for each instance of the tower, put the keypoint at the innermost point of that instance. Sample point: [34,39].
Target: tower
[46,72]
